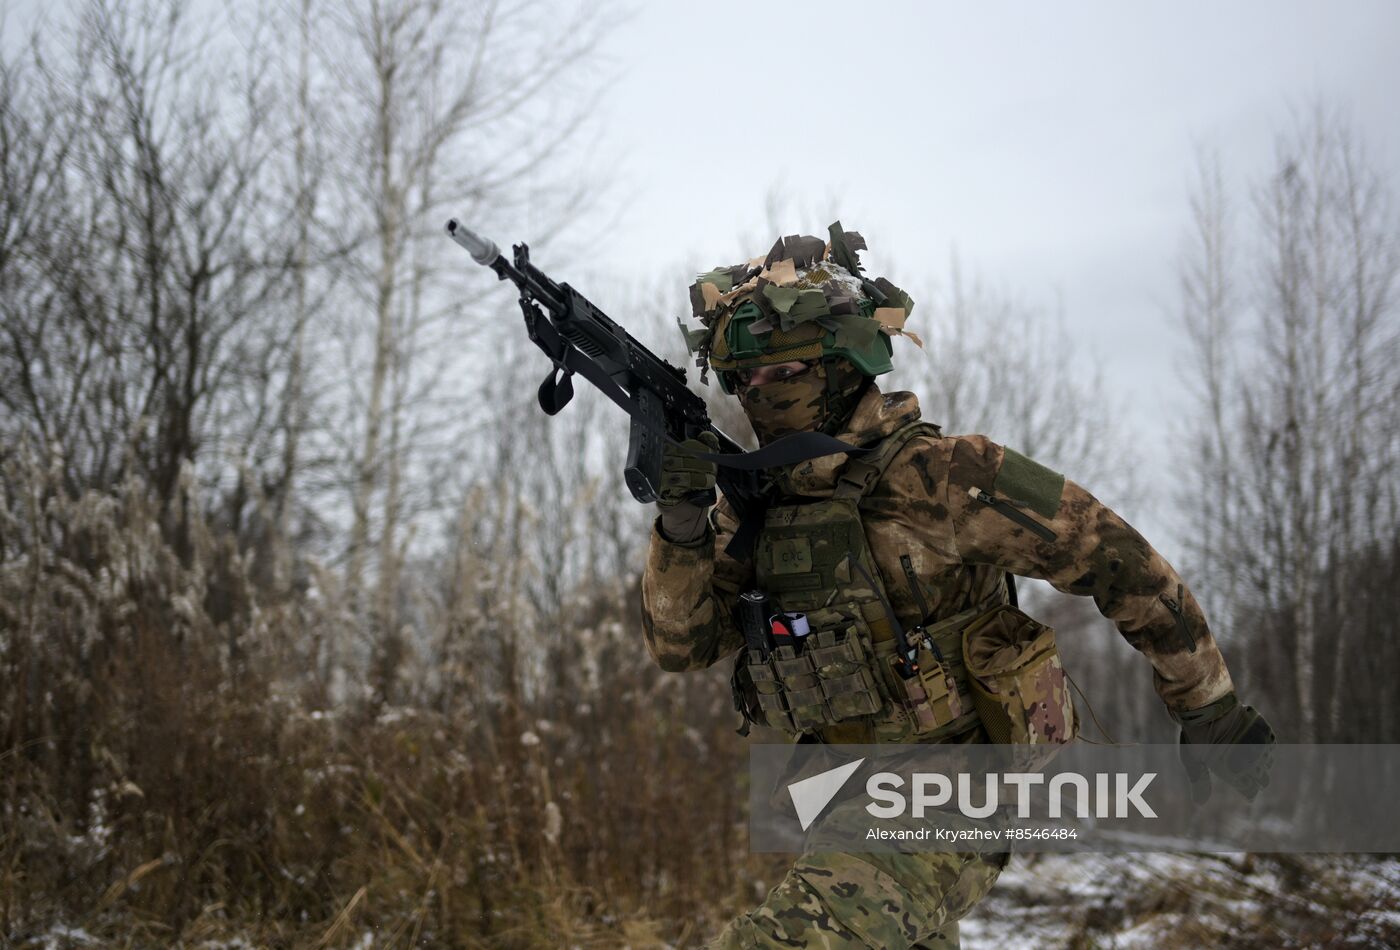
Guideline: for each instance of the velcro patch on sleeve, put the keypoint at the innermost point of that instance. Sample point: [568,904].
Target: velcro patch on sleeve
[1030,483]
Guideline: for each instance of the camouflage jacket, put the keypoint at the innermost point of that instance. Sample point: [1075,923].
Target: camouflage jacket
[925,508]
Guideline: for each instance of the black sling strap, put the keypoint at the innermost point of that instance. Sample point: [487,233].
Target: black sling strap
[789,450]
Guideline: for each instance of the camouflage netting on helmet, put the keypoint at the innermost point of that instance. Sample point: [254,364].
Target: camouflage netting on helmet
[807,299]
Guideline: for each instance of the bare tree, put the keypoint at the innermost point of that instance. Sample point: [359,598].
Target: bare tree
[1297,421]
[460,105]
[151,337]
[993,364]
[1210,318]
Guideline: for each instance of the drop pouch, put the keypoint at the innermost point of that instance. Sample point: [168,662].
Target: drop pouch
[1018,681]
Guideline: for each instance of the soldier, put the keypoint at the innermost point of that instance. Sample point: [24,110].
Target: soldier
[898,548]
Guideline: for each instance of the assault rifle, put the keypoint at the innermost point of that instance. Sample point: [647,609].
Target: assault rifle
[579,338]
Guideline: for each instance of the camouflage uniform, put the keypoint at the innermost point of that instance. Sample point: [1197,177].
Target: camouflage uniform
[959,548]
[950,515]
[923,509]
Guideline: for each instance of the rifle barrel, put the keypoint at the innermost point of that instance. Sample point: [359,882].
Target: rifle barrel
[483,251]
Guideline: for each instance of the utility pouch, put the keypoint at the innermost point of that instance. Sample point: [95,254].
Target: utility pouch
[1018,681]
[940,692]
[758,696]
[799,687]
[928,706]
[831,680]
[846,673]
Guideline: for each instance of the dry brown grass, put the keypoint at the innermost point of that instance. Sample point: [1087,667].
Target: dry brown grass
[179,767]
[173,770]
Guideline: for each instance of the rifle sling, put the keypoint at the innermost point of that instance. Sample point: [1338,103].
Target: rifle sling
[789,450]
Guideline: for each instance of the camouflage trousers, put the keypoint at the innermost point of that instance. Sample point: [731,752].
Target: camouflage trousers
[833,899]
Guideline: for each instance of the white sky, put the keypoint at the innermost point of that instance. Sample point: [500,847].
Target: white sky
[1051,144]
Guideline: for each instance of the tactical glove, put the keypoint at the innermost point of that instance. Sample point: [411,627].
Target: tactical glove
[1229,739]
[687,488]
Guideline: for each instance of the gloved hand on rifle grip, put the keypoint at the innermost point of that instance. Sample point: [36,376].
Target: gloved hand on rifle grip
[1229,739]
[687,488]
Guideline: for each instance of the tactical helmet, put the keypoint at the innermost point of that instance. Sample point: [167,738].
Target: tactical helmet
[806,300]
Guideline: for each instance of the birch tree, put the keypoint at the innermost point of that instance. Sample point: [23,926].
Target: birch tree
[1296,430]
[462,105]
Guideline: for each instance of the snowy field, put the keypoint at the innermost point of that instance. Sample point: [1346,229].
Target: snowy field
[1046,902]
[1170,900]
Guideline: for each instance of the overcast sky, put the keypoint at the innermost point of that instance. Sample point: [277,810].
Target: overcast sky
[1051,144]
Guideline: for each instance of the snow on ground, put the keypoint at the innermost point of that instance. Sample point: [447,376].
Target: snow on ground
[1180,900]
[63,937]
